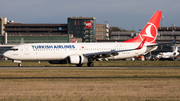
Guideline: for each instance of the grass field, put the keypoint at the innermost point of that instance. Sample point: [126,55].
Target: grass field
[91,84]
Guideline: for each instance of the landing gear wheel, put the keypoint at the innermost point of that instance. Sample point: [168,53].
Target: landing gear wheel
[20,65]
[90,64]
[79,65]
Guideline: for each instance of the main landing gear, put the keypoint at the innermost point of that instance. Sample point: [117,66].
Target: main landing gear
[89,64]
[79,65]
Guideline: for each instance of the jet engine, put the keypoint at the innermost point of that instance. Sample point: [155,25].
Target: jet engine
[76,59]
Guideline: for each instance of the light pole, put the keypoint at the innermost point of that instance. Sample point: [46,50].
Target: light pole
[162,21]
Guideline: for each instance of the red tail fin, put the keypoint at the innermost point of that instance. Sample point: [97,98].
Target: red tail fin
[150,30]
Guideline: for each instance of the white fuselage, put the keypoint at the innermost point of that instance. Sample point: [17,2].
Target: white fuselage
[58,51]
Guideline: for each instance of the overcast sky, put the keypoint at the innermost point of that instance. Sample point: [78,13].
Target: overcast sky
[127,14]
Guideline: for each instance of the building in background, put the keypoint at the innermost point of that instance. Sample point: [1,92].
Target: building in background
[82,27]
[16,29]
[99,32]
[165,35]
[122,36]
[106,31]
[102,31]
[169,34]
[18,33]
[3,20]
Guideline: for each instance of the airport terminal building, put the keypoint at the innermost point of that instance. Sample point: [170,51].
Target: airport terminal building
[35,33]
[82,29]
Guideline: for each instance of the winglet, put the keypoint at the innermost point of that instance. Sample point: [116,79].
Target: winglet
[73,40]
[142,44]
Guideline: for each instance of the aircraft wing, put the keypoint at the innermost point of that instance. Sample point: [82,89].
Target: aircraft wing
[112,52]
[157,44]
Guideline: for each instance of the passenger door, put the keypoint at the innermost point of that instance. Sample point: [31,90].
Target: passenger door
[27,51]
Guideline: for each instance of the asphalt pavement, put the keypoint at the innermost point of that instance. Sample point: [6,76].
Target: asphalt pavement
[88,67]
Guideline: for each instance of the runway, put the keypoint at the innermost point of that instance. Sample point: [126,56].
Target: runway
[89,67]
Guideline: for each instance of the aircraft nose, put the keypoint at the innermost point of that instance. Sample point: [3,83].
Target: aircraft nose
[6,54]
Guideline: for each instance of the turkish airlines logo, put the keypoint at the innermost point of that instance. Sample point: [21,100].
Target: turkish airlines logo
[149,32]
[88,24]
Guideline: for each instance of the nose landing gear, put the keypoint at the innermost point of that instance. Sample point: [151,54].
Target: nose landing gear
[19,62]
[20,65]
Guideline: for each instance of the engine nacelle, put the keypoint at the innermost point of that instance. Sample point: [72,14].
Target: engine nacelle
[77,59]
[58,62]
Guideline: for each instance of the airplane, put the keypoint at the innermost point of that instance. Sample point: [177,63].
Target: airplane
[82,53]
[168,55]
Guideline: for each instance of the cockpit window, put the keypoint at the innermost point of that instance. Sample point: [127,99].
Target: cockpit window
[14,49]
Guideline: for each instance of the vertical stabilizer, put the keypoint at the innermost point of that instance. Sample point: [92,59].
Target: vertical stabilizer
[150,30]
